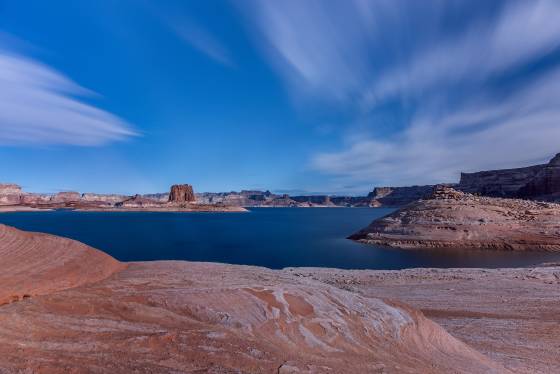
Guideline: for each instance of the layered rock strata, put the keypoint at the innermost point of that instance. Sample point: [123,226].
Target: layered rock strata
[34,264]
[511,315]
[453,219]
[171,316]
[545,185]
[10,194]
[538,182]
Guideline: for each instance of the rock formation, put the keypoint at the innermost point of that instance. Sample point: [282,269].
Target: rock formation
[313,199]
[138,201]
[452,219]
[397,196]
[181,193]
[545,185]
[10,194]
[110,199]
[497,183]
[539,182]
[78,310]
[66,197]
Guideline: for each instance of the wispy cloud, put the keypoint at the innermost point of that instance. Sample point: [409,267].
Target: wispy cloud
[308,41]
[39,106]
[463,73]
[203,41]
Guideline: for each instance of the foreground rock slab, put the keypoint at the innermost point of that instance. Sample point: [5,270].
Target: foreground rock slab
[188,317]
[35,264]
[452,219]
[511,315]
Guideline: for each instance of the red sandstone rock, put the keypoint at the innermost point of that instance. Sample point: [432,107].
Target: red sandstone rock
[181,193]
[35,264]
[138,201]
[10,194]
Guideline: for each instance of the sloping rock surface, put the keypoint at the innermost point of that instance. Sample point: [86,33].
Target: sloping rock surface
[200,317]
[35,264]
[511,315]
[10,194]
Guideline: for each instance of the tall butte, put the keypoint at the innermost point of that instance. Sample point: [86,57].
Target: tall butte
[181,193]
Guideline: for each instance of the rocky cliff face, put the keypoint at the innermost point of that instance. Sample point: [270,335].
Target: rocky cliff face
[313,199]
[545,185]
[138,201]
[181,193]
[538,182]
[397,196]
[109,199]
[66,197]
[498,183]
[10,194]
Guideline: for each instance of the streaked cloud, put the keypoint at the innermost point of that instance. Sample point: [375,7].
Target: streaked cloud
[202,40]
[464,74]
[40,106]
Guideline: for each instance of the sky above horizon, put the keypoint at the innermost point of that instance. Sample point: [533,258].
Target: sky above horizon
[294,96]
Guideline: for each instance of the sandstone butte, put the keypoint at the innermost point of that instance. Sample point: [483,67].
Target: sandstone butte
[452,219]
[67,307]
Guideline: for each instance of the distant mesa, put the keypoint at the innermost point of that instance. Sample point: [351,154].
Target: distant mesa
[181,193]
[10,194]
[538,182]
[138,201]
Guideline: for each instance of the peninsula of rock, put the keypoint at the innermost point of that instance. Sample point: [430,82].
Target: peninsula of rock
[454,219]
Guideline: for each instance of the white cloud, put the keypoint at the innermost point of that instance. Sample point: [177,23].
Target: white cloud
[484,133]
[39,106]
[368,54]
[523,31]
[316,48]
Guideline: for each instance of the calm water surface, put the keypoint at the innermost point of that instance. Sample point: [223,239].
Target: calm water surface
[271,237]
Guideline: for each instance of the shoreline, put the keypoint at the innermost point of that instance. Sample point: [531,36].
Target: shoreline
[202,209]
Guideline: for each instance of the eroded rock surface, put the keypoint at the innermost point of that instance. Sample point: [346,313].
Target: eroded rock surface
[187,317]
[511,315]
[453,219]
[35,264]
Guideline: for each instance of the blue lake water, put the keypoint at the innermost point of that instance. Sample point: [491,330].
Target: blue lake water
[271,237]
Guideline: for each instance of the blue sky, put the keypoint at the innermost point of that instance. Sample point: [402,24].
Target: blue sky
[331,96]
